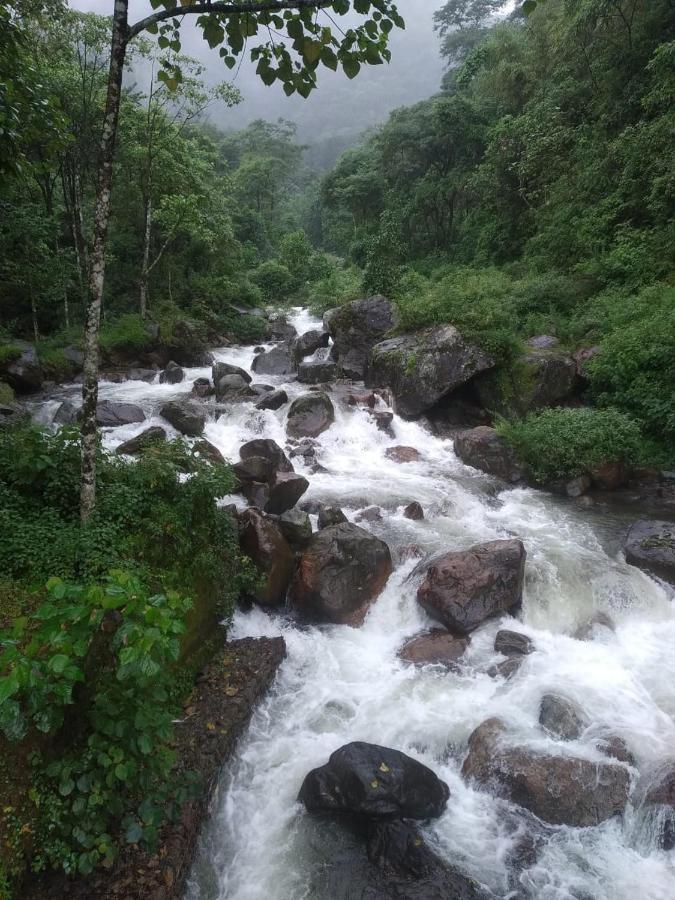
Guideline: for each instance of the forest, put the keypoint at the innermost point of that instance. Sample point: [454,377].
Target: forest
[533,194]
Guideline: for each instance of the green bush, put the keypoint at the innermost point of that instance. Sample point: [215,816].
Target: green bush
[126,334]
[274,280]
[8,353]
[6,393]
[340,285]
[562,443]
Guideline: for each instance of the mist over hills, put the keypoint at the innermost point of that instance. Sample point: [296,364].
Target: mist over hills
[334,115]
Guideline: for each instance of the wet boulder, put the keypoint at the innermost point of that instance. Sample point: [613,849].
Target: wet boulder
[310,415]
[285,491]
[402,454]
[435,647]
[185,416]
[23,370]
[272,400]
[560,790]
[66,414]
[280,328]
[202,388]
[340,574]
[150,437]
[561,717]
[309,342]
[262,540]
[484,449]
[257,493]
[616,748]
[356,327]
[463,589]
[370,514]
[268,450]
[376,782]
[233,388]
[316,371]
[513,643]
[655,793]
[414,511]
[277,361]
[208,452]
[254,468]
[330,515]
[221,369]
[111,414]
[539,378]
[172,374]
[296,528]
[650,545]
[505,669]
[383,419]
[424,367]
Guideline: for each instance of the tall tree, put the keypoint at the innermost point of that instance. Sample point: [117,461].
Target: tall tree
[307,37]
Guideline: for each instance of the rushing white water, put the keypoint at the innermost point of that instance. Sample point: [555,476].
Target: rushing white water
[340,684]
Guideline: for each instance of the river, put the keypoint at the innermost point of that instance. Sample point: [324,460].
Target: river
[340,684]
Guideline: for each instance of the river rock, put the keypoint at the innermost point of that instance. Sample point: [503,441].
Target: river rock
[414,511]
[330,515]
[309,342]
[650,545]
[221,369]
[402,454]
[296,528]
[423,367]
[463,589]
[209,452]
[111,414]
[272,400]
[262,540]
[277,361]
[285,491]
[538,379]
[484,449]
[186,416]
[376,782]
[616,748]
[316,371]
[280,328]
[202,388]
[268,450]
[340,574]
[513,643]
[356,327]
[561,717]
[383,419]
[23,372]
[656,792]
[254,468]
[257,493]
[187,346]
[370,514]
[233,388]
[141,374]
[172,374]
[560,790]
[310,415]
[506,669]
[66,414]
[148,438]
[435,647]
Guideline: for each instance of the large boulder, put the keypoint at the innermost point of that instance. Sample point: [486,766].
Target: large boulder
[463,589]
[66,414]
[172,374]
[513,643]
[482,448]
[310,415]
[309,342]
[202,388]
[150,437]
[23,371]
[221,369]
[263,542]
[233,388]
[341,572]
[650,545]
[187,345]
[296,528]
[356,327]
[268,450]
[280,328]
[561,717]
[560,790]
[272,400]
[435,647]
[422,368]
[280,360]
[111,414]
[317,371]
[538,378]
[185,416]
[330,515]
[285,491]
[373,781]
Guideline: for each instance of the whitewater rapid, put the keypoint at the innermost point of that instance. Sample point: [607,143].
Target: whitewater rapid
[340,684]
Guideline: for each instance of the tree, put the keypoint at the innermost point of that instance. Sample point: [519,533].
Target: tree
[305,41]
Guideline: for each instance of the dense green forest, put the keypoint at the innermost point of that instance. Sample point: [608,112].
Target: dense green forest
[533,195]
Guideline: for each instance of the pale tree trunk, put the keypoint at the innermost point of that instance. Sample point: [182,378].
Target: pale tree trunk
[145,268]
[120,34]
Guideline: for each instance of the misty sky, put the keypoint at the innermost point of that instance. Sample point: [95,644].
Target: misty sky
[339,110]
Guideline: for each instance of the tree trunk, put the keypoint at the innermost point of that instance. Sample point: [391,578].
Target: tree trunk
[145,268]
[120,34]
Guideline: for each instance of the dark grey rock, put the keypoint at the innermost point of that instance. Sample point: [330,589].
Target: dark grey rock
[277,361]
[110,414]
[150,437]
[561,717]
[650,545]
[316,372]
[484,449]
[513,643]
[272,400]
[356,327]
[310,415]
[185,416]
[172,374]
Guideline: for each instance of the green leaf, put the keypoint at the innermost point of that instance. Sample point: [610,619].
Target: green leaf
[58,663]
[351,67]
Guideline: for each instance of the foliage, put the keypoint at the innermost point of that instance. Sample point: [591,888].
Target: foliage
[274,280]
[119,774]
[126,334]
[563,443]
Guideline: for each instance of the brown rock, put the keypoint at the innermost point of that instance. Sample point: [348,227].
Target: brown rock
[414,511]
[262,541]
[609,476]
[435,647]
[208,451]
[513,643]
[402,454]
[484,449]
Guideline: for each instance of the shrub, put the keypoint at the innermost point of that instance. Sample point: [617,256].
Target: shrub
[274,281]
[562,443]
[341,285]
[127,334]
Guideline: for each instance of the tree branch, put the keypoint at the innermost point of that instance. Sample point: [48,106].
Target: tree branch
[226,8]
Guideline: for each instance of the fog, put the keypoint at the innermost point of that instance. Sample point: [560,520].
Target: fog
[339,110]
